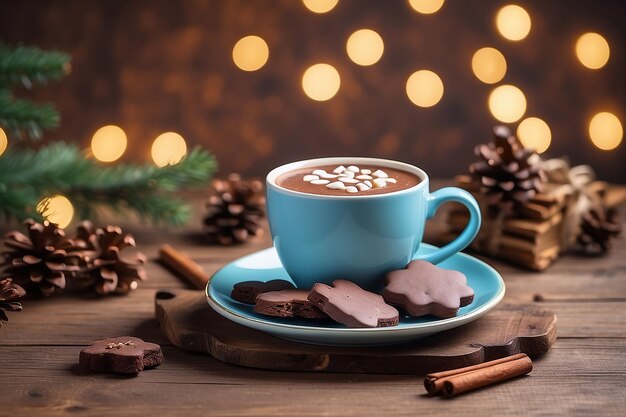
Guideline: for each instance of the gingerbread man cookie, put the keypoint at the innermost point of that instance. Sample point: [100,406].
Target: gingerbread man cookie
[124,355]
[423,288]
[349,304]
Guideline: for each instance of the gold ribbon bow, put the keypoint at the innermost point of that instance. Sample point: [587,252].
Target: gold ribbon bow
[577,178]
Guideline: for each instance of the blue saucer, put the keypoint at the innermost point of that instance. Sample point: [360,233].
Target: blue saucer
[264,266]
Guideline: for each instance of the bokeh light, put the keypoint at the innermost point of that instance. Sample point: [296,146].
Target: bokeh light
[489,65]
[606,131]
[592,50]
[4,141]
[365,47]
[513,22]
[321,82]
[108,143]
[250,53]
[426,6]
[57,209]
[168,149]
[507,103]
[534,133]
[424,88]
[320,6]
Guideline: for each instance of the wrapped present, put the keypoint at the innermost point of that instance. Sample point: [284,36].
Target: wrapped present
[533,210]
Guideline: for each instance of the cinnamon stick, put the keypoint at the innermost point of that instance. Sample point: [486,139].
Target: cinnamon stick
[183,266]
[487,376]
[456,381]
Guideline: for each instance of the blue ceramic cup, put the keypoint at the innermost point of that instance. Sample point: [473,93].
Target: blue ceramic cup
[358,237]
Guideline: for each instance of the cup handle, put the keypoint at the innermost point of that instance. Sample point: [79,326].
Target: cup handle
[457,195]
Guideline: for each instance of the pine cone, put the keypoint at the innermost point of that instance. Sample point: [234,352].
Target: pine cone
[235,210]
[597,228]
[86,237]
[43,260]
[509,174]
[9,292]
[107,271]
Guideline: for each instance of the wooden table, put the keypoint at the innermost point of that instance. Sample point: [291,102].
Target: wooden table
[584,373]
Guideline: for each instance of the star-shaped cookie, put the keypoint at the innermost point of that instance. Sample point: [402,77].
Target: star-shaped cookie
[423,288]
[124,355]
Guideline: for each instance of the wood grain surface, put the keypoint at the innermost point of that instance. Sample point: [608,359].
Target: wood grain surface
[507,330]
[584,374]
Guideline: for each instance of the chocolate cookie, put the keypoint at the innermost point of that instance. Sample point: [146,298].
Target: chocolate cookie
[124,355]
[349,304]
[247,291]
[423,288]
[287,303]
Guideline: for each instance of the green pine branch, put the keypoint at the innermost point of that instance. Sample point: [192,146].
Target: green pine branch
[26,177]
[30,66]
[23,116]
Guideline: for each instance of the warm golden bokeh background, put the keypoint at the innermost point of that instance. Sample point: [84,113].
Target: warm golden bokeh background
[163,66]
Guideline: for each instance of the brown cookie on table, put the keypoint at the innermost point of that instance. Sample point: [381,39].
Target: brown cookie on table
[124,355]
[349,304]
[287,303]
[247,291]
[423,288]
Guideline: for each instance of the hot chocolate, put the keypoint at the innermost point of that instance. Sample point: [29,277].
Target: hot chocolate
[349,180]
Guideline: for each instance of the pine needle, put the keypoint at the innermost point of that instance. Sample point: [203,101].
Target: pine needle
[27,177]
[30,66]
[23,116]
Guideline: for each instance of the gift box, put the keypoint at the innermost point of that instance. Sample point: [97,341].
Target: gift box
[533,210]
[536,236]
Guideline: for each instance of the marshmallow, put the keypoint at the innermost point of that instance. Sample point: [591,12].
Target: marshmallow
[351,179]
[380,183]
[337,185]
[348,180]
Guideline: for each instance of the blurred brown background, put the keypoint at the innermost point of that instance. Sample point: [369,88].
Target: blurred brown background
[154,66]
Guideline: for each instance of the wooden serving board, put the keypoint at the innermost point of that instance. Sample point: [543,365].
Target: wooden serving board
[189,323]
